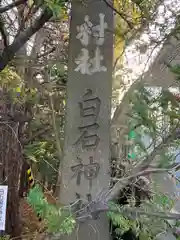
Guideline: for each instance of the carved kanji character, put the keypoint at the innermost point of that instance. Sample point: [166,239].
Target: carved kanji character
[89,66]
[88,140]
[78,171]
[83,62]
[98,31]
[84,31]
[96,62]
[90,170]
[90,105]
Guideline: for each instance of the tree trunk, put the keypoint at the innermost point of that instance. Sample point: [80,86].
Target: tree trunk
[11,160]
[8,53]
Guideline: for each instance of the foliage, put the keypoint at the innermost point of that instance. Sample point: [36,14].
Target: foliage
[6,237]
[130,17]
[43,155]
[118,219]
[153,124]
[57,7]
[9,78]
[176,70]
[57,220]
[11,83]
[124,223]
[41,150]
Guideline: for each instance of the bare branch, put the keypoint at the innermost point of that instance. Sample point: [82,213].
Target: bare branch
[12,5]
[122,15]
[37,134]
[143,173]
[47,53]
[95,208]
[23,37]
[3,33]
[138,170]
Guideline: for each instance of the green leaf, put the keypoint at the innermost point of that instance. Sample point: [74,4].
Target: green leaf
[131,156]
[18,89]
[32,158]
[57,220]
[144,236]
[132,134]
[30,3]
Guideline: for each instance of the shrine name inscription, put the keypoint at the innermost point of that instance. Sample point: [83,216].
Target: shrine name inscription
[90,105]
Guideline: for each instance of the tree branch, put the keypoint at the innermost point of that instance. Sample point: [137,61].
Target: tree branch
[47,53]
[37,134]
[12,5]
[22,38]
[3,32]
[93,210]
[143,173]
[139,170]
[122,15]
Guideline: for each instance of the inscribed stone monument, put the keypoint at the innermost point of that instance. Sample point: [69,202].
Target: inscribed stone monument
[87,138]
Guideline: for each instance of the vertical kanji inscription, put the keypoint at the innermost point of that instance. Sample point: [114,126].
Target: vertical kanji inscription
[89,112]
[87,137]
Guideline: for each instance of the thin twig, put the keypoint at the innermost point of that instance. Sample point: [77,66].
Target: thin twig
[142,173]
[12,5]
[122,15]
[137,212]
[138,170]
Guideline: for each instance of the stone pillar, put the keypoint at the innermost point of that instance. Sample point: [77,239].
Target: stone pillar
[85,167]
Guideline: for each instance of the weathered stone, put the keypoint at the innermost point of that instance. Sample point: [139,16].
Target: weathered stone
[85,168]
